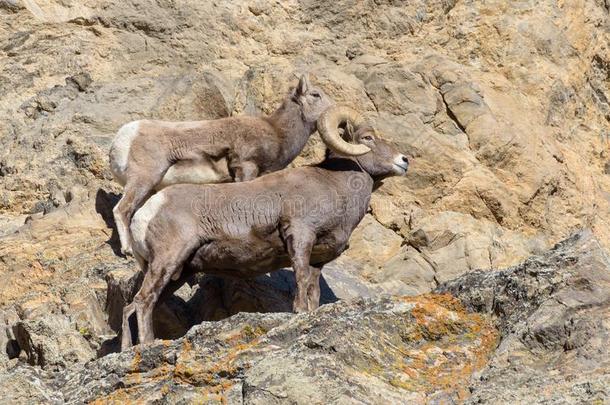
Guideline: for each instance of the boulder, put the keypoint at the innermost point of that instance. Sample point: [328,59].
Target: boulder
[552,311]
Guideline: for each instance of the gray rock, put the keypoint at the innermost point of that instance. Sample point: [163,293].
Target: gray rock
[553,313]
[350,351]
[52,342]
[8,343]
[23,385]
[551,342]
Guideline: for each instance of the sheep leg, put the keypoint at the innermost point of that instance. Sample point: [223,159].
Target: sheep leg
[146,299]
[126,342]
[313,289]
[299,244]
[244,171]
[128,310]
[136,191]
[300,300]
[121,226]
[156,279]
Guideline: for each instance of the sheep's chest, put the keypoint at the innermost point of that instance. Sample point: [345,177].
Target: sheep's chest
[246,257]
[328,247]
[254,254]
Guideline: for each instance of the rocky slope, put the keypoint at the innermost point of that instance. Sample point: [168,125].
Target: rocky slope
[541,336]
[504,109]
[553,314]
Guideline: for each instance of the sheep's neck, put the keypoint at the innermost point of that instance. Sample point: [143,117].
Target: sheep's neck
[359,189]
[351,179]
[288,121]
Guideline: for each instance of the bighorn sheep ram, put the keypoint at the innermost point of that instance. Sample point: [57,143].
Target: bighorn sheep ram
[301,217]
[148,155]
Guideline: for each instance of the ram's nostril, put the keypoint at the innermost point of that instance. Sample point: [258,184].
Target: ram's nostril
[405,159]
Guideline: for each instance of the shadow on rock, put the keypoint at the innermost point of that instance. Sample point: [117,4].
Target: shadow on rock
[104,203]
[200,298]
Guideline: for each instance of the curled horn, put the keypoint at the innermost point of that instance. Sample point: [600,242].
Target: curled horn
[328,127]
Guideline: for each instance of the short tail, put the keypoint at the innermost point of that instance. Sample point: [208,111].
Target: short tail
[119,151]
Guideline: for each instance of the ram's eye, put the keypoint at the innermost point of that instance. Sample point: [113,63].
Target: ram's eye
[316,94]
[368,138]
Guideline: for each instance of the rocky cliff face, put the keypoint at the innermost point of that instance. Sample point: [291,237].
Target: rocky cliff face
[503,107]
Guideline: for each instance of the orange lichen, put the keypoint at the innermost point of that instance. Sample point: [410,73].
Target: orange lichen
[186,346]
[435,347]
[217,372]
[137,358]
[216,393]
[447,301]
[441,347]
[123,396]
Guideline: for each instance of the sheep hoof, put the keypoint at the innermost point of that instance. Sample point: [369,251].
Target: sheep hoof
[299,309]
[125,345]
[127,251]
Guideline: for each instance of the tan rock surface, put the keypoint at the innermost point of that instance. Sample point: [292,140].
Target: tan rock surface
[503,108]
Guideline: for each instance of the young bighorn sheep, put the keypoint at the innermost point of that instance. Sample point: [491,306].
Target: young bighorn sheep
[301,217]
[148,155]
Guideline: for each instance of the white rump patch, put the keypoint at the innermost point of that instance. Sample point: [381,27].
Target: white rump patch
[119,151]
[140,221]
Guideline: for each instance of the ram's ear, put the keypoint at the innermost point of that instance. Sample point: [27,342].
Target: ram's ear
[349,134]
[304,85]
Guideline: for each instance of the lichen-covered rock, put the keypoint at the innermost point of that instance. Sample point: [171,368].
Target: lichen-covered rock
[53,342]
[400,349]
[542,330]
[553,312]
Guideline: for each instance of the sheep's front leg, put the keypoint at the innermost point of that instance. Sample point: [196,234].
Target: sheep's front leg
[313,288]
[137,190]
[299,243]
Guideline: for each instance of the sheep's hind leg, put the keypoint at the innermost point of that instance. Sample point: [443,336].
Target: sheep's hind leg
[128,310]
[156,279]
[137,190]
[121,227]
[126,341]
